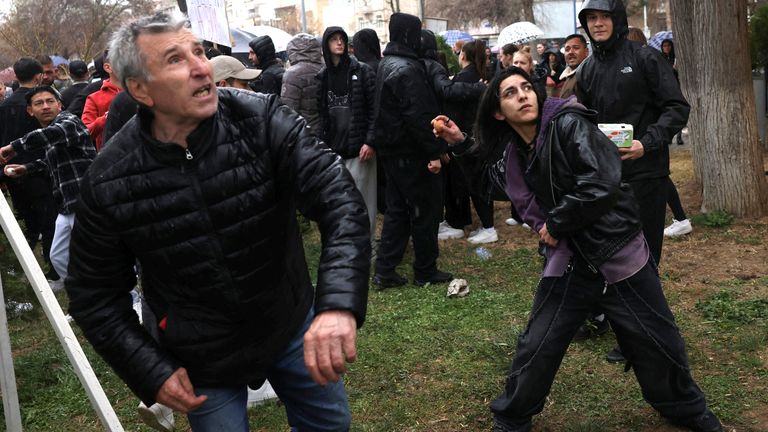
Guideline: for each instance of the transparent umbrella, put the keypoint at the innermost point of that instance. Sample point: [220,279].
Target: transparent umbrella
[519,33]
[279,37]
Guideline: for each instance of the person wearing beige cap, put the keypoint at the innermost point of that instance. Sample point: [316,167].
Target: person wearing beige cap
[229,72]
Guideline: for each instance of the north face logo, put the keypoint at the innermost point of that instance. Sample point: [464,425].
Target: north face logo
[627,69]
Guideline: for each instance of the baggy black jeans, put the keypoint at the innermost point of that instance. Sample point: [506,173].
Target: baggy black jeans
[414,204]
[643,324]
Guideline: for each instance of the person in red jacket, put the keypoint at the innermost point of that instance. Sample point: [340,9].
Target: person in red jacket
[97,105]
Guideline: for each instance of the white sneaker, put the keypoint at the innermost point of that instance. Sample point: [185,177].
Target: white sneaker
[446,232]
[511,221]
[678,228]
[158,417]
[526,226]
[264,394]
[486,235]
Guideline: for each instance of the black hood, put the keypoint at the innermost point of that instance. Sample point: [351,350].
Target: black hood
[428,45]
[367,45]
[264,49]
[330,31]
[405,29]
[620,26]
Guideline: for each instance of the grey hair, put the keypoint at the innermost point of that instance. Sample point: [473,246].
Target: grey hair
[127,60]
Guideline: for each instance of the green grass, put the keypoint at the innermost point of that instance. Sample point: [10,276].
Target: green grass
[430,363]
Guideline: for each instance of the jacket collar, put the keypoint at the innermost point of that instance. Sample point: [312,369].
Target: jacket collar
[197,142]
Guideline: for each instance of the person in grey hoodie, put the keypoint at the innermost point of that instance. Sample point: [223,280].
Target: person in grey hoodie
[300,87]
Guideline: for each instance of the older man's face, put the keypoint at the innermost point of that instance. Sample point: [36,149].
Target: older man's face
[181,86]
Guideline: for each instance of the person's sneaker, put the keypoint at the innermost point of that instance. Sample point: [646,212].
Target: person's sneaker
[615,356]
[707,422]
[447,232]
[526,226]
[511,221]
[438,277]
[591,328]
[393,280]
[678,228]
[56,285]
[158,417]
[485,235]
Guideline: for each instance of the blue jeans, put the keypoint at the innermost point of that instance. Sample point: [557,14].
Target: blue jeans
[309,406]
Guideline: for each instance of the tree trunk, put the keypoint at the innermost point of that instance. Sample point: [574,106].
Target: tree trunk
[713,53]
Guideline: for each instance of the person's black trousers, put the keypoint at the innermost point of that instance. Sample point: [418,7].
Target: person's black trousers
[414,206]
[644,327]
[651,196]
[38,211]
[673,200]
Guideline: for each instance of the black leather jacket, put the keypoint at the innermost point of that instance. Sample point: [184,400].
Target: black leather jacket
[576,179]
[214,229]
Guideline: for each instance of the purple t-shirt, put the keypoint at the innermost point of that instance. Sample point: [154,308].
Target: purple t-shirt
[622,265]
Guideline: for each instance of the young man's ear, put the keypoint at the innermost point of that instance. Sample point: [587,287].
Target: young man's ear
[29,111]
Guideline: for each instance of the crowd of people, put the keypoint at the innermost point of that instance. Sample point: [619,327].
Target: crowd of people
[180,167]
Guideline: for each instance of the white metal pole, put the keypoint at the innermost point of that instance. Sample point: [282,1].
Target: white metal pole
[56,317]
[7,376]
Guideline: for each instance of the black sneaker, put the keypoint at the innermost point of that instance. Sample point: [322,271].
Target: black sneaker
[437,277]
[591,328]
[615,356]
[389,280]
[707,422]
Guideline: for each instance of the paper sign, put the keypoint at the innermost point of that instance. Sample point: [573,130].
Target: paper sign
[209,20]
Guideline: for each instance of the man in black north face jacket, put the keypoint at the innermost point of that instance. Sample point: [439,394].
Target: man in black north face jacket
[202,187]
[627,82]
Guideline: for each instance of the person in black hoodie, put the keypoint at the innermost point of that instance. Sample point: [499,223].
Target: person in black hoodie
[367,48]
[410,154]
[262,55]
[564,178]
[627,82]
[458,93]
[346,108]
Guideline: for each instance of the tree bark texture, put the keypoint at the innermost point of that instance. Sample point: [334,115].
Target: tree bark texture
[712,50]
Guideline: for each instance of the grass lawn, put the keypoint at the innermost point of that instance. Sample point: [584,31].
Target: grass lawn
[430,363]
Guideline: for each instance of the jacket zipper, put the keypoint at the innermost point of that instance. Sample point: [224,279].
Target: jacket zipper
[188,154]
[554,200]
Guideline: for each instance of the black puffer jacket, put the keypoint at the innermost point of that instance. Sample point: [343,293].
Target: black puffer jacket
[215,232]
[271,79]
[361,85]
[405,102]
[630,83]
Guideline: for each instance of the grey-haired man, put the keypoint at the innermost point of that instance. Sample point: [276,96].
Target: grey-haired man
[201,187]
